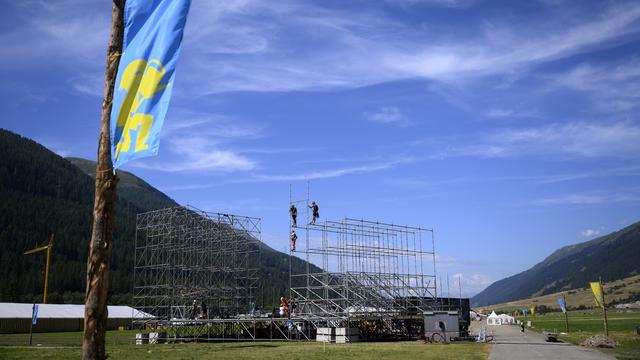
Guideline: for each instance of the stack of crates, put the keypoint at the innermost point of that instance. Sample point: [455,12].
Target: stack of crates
[347,335]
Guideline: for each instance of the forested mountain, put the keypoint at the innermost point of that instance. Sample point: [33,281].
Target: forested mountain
[130,187]
[612,257]
[43,193]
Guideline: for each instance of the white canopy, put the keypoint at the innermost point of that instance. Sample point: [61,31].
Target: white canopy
[22,310]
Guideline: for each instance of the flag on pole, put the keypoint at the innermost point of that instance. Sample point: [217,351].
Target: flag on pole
[563,307]
[596,288]
[152,37]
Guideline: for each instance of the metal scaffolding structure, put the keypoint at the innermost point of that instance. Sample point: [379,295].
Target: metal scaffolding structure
[184,255]
[373,275]
[378,278]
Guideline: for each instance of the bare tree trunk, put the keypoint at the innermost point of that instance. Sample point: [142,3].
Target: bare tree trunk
[95,311]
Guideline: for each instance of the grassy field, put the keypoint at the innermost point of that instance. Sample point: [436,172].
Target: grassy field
[583,324]
[259,350]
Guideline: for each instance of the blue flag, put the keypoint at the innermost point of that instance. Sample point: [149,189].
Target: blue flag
[34,314]
[562,305]
[152,35]
[524,311]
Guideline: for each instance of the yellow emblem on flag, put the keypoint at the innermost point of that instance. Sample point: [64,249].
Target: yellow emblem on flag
[141,80]
[596,288]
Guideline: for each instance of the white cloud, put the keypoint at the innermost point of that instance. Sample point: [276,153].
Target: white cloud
[434,3]
[615,86]
[571,139]
[199,142]
[66,31]
[471,284]
[332,173]
[243,45]
[357,49]
[590,233]
[501,113]
[628,195]
[201,160]
[388,115]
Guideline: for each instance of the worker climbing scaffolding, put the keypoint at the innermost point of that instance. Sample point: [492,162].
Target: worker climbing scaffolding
[315,213]
[294,238]
[293,211]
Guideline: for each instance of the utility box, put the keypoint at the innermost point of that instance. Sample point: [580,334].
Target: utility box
[347,335]
[444,323]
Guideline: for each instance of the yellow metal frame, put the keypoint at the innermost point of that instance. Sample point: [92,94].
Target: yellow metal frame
[46,269]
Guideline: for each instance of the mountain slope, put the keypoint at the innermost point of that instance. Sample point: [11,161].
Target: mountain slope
[612,257]
[130,187]
[43,193]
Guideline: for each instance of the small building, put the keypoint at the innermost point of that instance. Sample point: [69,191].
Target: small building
[16,317]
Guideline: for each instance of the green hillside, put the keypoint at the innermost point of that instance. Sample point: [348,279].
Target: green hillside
[131,187]
[43,193]
[612,257]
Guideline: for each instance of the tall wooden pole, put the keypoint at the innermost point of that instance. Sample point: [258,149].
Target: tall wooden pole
[46,269]
[566,313]
[95,313]
[604,310]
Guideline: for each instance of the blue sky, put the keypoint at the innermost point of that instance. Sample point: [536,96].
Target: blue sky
[511,128]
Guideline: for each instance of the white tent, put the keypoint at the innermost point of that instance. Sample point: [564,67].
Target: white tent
[16,317]
[65,311]
[493,319]
[506,319]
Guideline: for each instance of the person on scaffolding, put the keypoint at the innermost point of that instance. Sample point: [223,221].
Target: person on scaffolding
[203,310]
[293,237]
[315,212]
[293,211]
[194,310]
[284,307]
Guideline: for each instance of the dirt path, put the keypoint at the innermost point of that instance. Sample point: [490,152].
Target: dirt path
[511,344]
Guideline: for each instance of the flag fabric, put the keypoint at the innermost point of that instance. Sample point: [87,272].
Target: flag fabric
[562,305]
[596,288]
[34,314]
[153,32]
[533,311]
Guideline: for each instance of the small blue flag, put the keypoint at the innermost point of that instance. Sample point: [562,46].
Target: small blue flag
[562,305]
[34,315]
[152,36]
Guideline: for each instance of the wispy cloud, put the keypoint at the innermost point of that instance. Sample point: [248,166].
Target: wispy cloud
[332,173]
[390,115]
[434,3]
[199,142]
[72,30]
[238,45]
[357,49]
[629,195]
[590,233]
[570,139]
[614,85]
[502,113]
[468,284]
